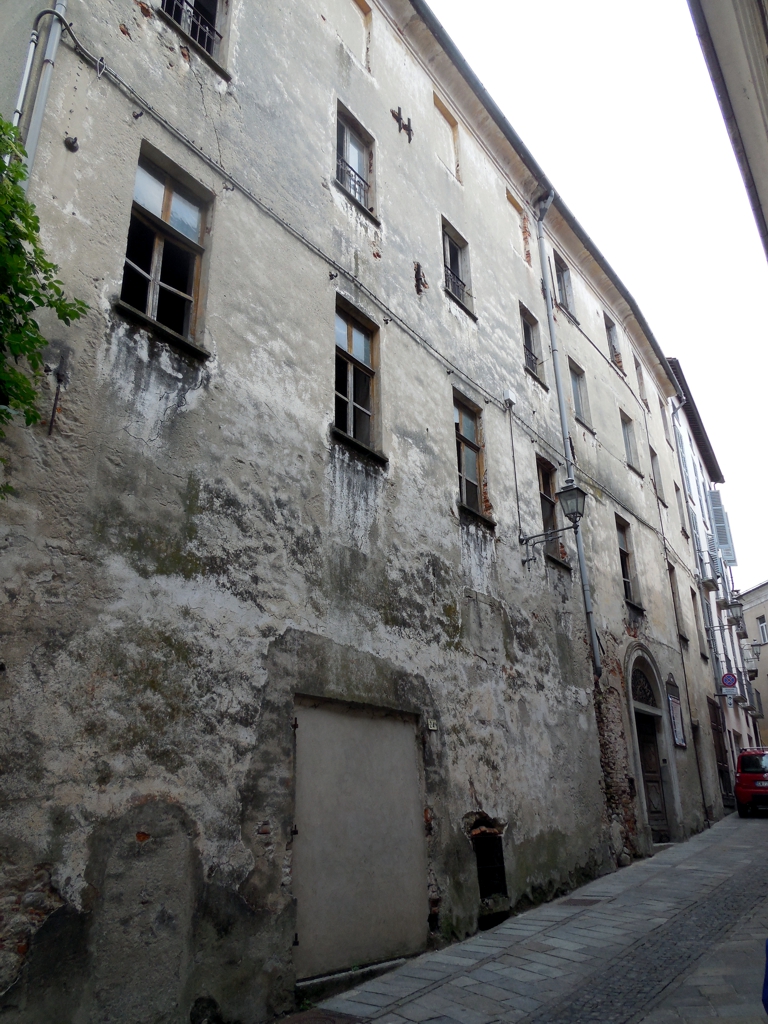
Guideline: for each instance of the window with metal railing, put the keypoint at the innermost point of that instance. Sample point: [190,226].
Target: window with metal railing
[354,161]
[456,266]
[198,19]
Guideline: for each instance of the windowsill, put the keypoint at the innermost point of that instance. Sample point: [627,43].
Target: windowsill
[685,534]
[569,314]
[704,656]
[199,50]
[339,437]
[536,377]
[684,638]
[586,426]
[460,304]
[662,500]
[635,470]
[670,444]
[559,562]
[635,606]
[356,203]
[478,517]
[158,329]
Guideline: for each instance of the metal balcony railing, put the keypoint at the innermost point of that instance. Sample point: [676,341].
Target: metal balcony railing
[353,182]
[759,704]
[455,285]
[194,24]
[531,360]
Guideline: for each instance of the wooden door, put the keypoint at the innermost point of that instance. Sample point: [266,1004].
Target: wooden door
[652,782]
[721,753]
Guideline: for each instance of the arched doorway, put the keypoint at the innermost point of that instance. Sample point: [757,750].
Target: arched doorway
[658,791]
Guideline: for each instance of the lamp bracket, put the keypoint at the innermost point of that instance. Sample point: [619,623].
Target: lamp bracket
[541,538]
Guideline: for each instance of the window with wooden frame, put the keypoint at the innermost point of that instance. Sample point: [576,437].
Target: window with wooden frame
[763,628]
[681,512]
[531,343]
[355,379]
[547,487]
[626,561]
[641,383]
[665,421]
[703,650]
[161,277]
[612,334]
[656,474]
[469,455]
[630,448]
[563,279]
[354,159]
[580,397]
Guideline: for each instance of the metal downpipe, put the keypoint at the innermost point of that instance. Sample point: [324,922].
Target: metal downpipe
[544,206]
[36,123]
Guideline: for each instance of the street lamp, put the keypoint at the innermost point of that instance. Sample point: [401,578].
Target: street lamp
[572,500]
[756,646]
[735,612]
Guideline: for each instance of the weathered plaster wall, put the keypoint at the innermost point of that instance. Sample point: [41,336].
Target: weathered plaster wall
[190,548]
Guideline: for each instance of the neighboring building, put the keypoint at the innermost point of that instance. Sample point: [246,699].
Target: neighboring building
[288,686]
[755,602]
[716,621]
[734,39]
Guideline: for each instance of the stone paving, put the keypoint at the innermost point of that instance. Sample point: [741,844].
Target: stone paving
[677,937]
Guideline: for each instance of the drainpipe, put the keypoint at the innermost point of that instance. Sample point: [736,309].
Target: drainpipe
[36,123]
[544,206]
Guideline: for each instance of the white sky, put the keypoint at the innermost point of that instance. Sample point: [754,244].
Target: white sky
[615,102]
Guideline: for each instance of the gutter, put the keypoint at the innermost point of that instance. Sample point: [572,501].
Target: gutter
[444,40]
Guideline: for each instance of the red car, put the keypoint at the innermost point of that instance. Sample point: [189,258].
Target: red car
[752,780]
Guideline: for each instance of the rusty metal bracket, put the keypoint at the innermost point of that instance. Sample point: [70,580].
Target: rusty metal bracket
[402,124]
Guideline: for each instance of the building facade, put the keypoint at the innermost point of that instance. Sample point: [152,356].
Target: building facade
[298,672]
[717,621]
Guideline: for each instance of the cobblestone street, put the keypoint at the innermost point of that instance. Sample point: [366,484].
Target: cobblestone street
[678,937]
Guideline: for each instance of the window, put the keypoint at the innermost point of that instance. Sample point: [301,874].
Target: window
[456,257]
[628,430]
[162,259]
[354,379]
[447,137]
[676,602]
[469,454]
[563,277]
[665,421]
[656,474]
[697,620]
[763,629]
[681,511]
[641,384]
[531,342]
[198,19]
[547,484]
[612,334]
[354,160]
[522,228]
[626,560]
[579,388]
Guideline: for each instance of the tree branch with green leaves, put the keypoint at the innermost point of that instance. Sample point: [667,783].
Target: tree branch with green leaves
[28,283]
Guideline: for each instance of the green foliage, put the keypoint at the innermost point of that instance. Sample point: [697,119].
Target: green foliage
[28,282]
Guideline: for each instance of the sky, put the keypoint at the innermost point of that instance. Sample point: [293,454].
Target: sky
[615,102]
